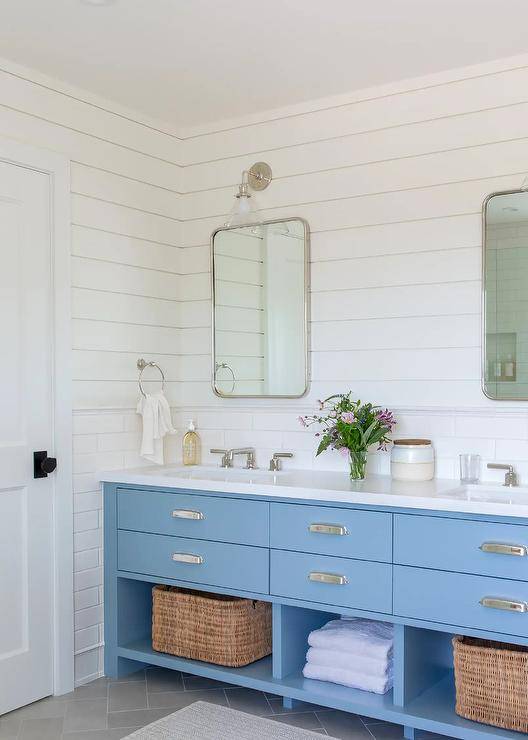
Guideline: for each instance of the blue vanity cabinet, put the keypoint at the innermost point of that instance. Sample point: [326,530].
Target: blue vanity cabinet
[462,545]
[338,582]
[329,530]
[433,574]
[195,561]
[199,517]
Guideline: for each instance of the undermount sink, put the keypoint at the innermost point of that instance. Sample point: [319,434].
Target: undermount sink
[233,475]
[486,491]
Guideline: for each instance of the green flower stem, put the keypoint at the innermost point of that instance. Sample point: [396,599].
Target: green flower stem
[358,464]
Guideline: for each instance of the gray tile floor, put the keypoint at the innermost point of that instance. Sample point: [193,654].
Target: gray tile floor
[109,710]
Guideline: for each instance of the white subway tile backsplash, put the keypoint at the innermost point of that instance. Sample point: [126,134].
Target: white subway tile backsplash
[85,560]
[86,598]
[88,617]
[85,521]
[90,578]
[86,638]
[124,442]
[84,444]
[87,501]
[87,540]
[494,427]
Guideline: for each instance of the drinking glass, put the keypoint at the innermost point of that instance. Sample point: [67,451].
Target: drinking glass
[469,468]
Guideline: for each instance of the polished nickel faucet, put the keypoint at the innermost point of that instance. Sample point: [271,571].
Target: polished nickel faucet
[228,456]
[275,462]
[510,479]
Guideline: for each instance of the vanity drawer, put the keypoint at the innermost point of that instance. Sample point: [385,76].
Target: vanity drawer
[462,546]
[357,584]
[454,599]
[332,531]
[189,515]
[208,563]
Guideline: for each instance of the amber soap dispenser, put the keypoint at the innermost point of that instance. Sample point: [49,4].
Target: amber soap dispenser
[191,446]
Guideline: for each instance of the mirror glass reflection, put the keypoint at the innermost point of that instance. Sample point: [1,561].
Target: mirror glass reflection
[505,275]
[260,309]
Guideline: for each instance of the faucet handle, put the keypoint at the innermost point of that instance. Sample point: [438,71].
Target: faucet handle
[225,462]
[510,479]
[275,462]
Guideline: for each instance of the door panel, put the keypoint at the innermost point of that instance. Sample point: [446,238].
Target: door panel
[26,587]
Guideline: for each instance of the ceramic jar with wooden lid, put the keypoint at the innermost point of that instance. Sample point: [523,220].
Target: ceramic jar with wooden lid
[412,460]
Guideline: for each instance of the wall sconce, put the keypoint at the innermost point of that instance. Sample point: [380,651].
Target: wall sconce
[244,210]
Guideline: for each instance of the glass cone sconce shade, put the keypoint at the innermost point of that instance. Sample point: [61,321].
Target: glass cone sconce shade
[245,210]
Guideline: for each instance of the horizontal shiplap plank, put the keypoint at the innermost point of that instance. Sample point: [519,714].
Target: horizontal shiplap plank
[455,98]
[87,273]
[450,232]
[115,394]
[123,220]
[401,269]
[409,300]
[98,183]
[396,333]
[195,313]
[119,337]
[109,365]
[102,245]
[471,129]
[124,308]
[81,147]
[197,259]
[46,103]
[398,364]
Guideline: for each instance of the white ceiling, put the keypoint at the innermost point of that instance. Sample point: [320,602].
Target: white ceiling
[188,62]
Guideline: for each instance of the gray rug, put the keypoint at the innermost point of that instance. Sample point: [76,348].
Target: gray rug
[204,721]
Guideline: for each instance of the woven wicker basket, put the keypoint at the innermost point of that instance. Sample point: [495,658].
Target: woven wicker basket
[492,682]
[211,627]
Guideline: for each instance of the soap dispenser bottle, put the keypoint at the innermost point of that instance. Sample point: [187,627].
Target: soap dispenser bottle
[191,446]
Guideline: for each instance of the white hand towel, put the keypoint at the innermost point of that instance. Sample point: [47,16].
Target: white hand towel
[155,412]
[374,667]
[359,636]
[352,679]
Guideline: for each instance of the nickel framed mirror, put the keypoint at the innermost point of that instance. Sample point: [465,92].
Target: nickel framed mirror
[505,296]
[260,279]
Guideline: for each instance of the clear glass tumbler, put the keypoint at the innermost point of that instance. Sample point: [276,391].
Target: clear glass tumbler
[469,468]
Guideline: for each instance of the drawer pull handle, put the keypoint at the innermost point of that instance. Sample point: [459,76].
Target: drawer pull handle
[187,514]
[320,528]
[187,557]
[332,578]
[507,605]
[504,549]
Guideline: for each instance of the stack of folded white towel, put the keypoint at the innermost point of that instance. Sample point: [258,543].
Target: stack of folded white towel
[352,652]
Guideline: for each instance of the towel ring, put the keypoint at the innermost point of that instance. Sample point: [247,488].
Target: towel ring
[141,365]
[225,366]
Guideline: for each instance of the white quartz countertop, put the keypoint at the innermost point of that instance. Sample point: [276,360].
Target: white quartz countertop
[333,487]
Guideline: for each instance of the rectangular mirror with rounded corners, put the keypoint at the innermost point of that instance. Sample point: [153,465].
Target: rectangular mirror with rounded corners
[505,296]
[260,309]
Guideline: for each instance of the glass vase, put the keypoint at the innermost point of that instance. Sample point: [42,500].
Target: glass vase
[358,464]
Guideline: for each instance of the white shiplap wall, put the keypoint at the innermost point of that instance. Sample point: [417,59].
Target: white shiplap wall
[391,182]
[127,288]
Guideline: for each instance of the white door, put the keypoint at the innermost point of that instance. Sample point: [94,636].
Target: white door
[26,418]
